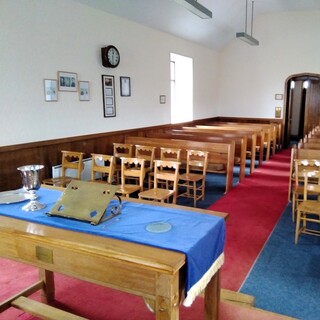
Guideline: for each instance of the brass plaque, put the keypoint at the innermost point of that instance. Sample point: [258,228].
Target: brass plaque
[44,254]
[85,200]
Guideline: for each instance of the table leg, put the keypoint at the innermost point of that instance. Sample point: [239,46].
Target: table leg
[167,297]
[212,298]
[48,291]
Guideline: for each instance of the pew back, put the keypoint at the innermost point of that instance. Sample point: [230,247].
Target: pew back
[219,153]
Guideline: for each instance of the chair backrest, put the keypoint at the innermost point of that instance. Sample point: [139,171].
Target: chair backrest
[147,153]
[170,154]
[166,171]
[72,160]
[197,161]
[303,166]
[102,165]
[132,168]
[311,184]
[122,150]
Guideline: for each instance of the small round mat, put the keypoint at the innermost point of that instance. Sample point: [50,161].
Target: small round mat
[158,227]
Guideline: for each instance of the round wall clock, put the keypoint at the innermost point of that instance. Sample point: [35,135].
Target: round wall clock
[110,56]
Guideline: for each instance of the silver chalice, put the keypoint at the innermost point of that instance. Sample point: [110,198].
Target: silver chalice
[30,175]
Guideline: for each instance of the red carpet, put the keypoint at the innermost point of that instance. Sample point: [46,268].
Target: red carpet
[254,207]
[99,303]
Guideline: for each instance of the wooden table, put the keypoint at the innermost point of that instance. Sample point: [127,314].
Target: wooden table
[155,274]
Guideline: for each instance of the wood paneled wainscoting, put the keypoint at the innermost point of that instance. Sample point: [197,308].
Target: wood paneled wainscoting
[48,152]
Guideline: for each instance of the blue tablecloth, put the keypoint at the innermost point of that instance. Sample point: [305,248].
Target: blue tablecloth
[199,236]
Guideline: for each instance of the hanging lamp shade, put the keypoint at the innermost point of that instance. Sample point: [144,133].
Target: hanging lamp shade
[196,8]
[244,36]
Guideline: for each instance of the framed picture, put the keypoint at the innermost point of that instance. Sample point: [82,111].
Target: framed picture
[84,92]
[125,87]
[278,96]
[50,90]
[67,81]
[108,95]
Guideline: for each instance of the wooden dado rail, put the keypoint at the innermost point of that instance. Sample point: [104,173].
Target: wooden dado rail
[240,144]
[219,153]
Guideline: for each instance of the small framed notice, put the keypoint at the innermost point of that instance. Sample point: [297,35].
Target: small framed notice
[125,87]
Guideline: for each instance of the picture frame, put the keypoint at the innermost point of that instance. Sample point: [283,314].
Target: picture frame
[84,90]
[108,95]
[278,96]
[125,86]
[50,90]
[67,81]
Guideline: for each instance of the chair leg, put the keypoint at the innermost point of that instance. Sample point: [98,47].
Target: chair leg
[293,207]
[297,227]
[203,188]
[194,193]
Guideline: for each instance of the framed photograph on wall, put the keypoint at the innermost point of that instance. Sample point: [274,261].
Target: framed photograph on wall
[84,92]
[125,86]
[278,96]
[108,95]
[50,90]
[67,81]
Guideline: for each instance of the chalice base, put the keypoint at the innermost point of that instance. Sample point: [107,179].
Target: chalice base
[33,206]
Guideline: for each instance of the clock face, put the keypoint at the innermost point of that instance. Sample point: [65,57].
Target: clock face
[113,56]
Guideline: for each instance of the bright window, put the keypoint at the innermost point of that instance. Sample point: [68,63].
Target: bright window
[181,73]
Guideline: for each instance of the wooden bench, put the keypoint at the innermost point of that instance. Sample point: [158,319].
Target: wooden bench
[252,137]
[272,139]
[263,136]
[240,144]
[219,153]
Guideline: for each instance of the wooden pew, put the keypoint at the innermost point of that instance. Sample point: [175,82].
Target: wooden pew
[272,133]
[262,143]
[240,144]
[254,137]
[251,138]
[218,152]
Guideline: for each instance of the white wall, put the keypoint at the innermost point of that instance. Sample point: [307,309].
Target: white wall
[39,38]
[289,44]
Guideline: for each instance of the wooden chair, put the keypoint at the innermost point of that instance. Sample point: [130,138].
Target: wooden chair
[102,169]
[71,160]
[292,173]
[301,167]
[193,181]
[121,150]
[166,154]
[164,171]
[308,210]
[148,154]
[131,169]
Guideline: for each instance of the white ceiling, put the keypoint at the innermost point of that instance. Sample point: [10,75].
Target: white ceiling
[227,19]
